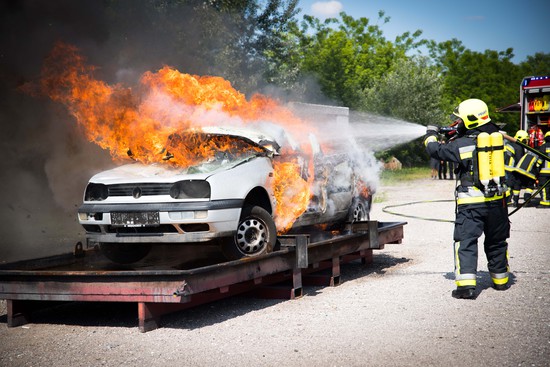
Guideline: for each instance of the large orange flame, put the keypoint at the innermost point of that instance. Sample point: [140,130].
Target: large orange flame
[289,184]
[150,124]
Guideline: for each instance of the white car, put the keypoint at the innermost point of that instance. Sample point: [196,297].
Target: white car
[228,197]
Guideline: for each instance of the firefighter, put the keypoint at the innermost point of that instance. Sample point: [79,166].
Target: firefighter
[481,208]
[512,156]
[544,175]
[526,172]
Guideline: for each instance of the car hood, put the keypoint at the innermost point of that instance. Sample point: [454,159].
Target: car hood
[139,172]
[158,172]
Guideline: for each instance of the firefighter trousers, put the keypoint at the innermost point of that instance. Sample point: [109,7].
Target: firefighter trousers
[522,182]
[514,184]
[543,178]
[471,222]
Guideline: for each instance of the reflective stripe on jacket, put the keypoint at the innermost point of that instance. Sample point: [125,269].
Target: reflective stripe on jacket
[545,149]
[528,165]
[512,154]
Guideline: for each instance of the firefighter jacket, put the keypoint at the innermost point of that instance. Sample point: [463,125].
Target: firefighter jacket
[528,165]
[545,149]
[463,152]
[512,154]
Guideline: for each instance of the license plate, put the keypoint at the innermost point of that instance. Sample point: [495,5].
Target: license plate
[141,219]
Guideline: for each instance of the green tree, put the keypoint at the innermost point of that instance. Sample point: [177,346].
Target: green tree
[217,37]
[490,76]
[413,91]
[357,67]
[536,65]
[344,55]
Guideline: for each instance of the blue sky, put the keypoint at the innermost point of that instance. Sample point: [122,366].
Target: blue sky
[523,25]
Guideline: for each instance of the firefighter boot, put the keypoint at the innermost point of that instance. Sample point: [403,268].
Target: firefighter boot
[527,199]
[501,287]
[464,293]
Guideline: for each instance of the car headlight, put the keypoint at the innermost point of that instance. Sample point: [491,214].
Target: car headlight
[190,189]
[96,192]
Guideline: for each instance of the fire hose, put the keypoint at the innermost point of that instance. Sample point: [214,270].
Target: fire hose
[507,137]
[385,210]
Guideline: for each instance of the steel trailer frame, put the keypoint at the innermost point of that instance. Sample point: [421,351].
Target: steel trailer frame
[159,292]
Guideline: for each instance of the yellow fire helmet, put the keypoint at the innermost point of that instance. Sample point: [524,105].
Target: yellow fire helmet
[522,136]
[547,134]
[473,112]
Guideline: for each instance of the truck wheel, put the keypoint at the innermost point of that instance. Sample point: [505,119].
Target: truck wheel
[124,253]
[256,235]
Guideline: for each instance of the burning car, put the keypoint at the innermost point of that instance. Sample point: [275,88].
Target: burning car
[192,181]
[237,195]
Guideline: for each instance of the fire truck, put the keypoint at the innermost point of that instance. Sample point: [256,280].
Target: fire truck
[535,108]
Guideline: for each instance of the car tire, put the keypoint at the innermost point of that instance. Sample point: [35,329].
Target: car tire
[123,253]
[256,235]
[359,210]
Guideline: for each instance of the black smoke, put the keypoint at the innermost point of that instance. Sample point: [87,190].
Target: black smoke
[45,161]
[43,157]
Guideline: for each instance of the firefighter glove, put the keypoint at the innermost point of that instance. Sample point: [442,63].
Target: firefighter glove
[432,130]
[431,134]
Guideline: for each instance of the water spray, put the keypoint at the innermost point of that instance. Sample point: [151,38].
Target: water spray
[380,133]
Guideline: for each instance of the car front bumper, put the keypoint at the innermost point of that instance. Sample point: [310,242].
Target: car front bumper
[183,222]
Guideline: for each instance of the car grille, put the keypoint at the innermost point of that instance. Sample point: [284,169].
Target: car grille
[165,228]
[147,189]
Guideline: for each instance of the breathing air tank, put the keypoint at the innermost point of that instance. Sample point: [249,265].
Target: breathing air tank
[497,161]
[484,158]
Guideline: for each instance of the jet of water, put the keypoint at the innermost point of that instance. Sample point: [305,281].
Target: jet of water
[373,132]
[384,133]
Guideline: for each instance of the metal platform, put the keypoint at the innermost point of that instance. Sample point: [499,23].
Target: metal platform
[79,276]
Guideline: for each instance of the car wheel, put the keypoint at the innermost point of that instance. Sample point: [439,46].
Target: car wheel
[359,210]
[256,235]
[123,253]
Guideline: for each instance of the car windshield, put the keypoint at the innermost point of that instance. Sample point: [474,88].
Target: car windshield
[222,160]
[205,153]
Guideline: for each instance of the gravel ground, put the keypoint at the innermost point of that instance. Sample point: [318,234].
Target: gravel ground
[397,311]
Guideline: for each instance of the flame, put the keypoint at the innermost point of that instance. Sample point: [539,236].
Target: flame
[154,122]
[292,193]
[362,189]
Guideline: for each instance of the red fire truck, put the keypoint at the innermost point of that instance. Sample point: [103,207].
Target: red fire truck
[535,108]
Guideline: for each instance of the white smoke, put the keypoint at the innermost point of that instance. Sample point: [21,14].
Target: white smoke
[358,140]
